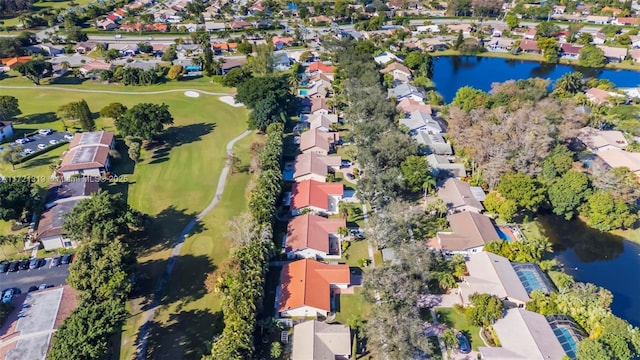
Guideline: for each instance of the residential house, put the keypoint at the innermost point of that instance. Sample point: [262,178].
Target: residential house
[50,49]
[142,65]
[498,30]
[106,24]
[6,130]
[570,51]
[88,155]
[524,334]
[320,19]
[282,42]
[625,21]
[465,28]
[599,38]
[315,196]
[221,48]
[307,286]
[85,47]
[421,121]
[239,25]
[125,49]
[500,45]
[458,197]
[431,44]
[281,61]
[530,34]
[470,232]
[213,26]
[406,90]
[229,64]
[442,167]
[313,340]
[529,46]
[322,122]
[559,9]
[599,96]
[434,29]
[635,55]
[312,236]
[10,63]
[409,106]
[61,198]
[594,19]
[613,54]
[94,67]
[319,106]
[400,72]
[385,58]
[313,166]
[318,87]
[611,10]
[319,67]
[429,143]
[616,158]
[318,141]
[583,9]
[601,140]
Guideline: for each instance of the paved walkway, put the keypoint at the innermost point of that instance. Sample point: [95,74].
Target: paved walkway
[59,88]
[149,314]
[365,218]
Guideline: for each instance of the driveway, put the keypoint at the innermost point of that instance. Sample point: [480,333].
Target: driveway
[40,139]
[45,274]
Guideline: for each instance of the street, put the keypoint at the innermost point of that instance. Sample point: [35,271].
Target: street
[45,274]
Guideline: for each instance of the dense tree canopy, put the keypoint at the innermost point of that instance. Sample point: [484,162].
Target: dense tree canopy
[591,56]
[113,110]
[269,98]
[568,192]
[485,309]
[34,70]
[527,192]
[17,196]
[79,111]
[144,120]
[9,107]
[415,172]
[605,213]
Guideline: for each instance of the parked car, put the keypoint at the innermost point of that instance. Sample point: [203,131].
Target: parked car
[53,141]
[22,141]
[66,259]
[45,132]
[55,261]
[345,163]
[350,176]
[28,151]
[4,267]
[463,343]
[42,146]
[42,286]
[32,288]
[13,267]
[34,263]
[24,264]
[68,136]
[7,296]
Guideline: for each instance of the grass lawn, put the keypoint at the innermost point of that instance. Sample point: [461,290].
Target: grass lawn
[351,306]
[458,321]
[356,251]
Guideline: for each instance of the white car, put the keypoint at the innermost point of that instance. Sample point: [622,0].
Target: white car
[45,132]
[42,146]
[53,142]
[68,136]
[42,286]
[7,296]
[28,151]
[22,141]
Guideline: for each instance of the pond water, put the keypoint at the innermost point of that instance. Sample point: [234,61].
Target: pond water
[454,72]
[599,258]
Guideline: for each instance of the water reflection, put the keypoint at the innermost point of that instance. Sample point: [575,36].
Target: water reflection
[589,244]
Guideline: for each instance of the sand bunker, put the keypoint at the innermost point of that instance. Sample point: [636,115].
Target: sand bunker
[229,100]
[192,94]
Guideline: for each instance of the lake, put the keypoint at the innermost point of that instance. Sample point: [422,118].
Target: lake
[454,72]
[599,258]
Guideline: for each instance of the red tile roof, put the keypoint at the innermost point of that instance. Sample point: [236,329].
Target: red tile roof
[529,45]
[319,67]
[314,193]
[311,232]
[307,283]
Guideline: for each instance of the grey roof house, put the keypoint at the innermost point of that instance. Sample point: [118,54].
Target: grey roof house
[442,167]
[406,90]
[432,143]
[458,197]
[313,340]
[469,233]
[421,121]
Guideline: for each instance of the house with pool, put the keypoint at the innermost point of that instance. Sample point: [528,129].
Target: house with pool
[469,232]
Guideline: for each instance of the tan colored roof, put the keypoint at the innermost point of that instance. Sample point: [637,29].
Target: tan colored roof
[314,163]
[314,340]
[396,66]
[620,158]
[469,230]
[314,193]
[307,283]
[613,52]
[456,193]
[317,138]
[529,45]
[408,106]
[595,139]
[319,104]
[493,274]
[322,120]
[311,232]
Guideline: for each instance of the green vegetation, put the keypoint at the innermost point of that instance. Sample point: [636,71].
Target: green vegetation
[458,321]
[144,120]
[78,111]
[484,310]
[269,98]
[353,307]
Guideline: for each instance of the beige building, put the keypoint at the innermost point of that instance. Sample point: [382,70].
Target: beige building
[315,340]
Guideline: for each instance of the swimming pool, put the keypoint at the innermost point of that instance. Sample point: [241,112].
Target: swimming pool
[302,92]
[567,341]
[532,277]
[567,332]
[505,233]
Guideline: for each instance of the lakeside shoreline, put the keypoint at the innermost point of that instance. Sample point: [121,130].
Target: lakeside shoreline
[535,58]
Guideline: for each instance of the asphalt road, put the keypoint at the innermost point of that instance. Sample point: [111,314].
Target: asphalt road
[45,274]
[39,139]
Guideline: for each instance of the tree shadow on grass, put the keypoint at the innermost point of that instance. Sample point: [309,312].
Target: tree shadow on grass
[186,335]
[176,136]
[166,227]
[40,118]
[40,161]
[187,279]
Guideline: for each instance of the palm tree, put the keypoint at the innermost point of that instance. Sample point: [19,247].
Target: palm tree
[429,185]
[449,339]
[344,210]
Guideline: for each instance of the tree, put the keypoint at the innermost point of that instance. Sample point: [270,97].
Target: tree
[276,350]
[550,49]
[546,29]
[175,72]
[268,97]
[420,62]
[9,107]
[415,172]
[449,338]
[12,155]
[116,218]
[114,110]
[245,48]
[591,56]
[527,192]
[34,70]
[144,120]
[605,213]
[485,309]
[85,117]
[512,21]
[566,194]
[170,54]
[468,98]
[17,196]
[459,41]
[568,84]
[584,39]
[236,76]
[262,62]
[134,151]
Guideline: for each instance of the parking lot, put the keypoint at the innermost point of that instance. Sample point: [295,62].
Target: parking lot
[42,139]
[45,274]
